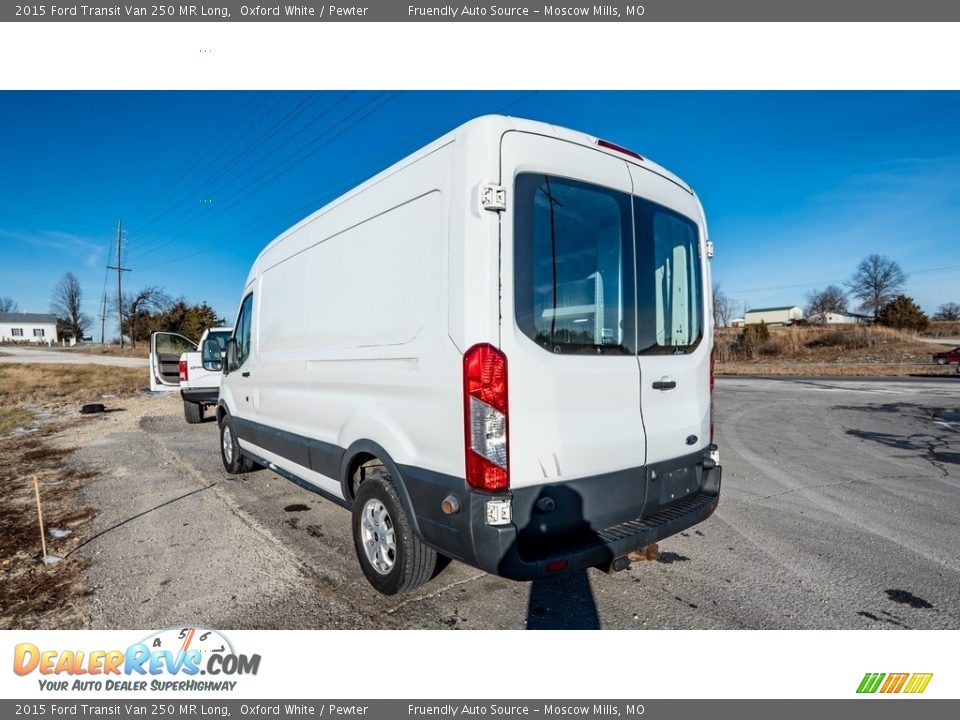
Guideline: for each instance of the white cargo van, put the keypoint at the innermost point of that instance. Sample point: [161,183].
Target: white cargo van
[498,349]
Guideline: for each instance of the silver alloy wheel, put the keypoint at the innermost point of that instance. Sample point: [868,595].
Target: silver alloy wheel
[378,536]
[227,444]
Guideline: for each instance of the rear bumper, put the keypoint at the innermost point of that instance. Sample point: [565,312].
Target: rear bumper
[583,523]
[206,396]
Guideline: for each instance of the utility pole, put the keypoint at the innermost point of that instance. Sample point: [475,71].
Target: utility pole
[120,270]
[103,316]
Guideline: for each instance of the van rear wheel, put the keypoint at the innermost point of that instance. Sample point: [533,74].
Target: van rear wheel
[192,412]
[392,558]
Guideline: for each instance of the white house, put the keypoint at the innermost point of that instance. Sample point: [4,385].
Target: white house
[831,318]
[28,327]
[785,315]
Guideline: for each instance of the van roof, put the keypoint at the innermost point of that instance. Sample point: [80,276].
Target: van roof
[487,125]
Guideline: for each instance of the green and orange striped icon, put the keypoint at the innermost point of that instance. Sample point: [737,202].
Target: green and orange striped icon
[894,682]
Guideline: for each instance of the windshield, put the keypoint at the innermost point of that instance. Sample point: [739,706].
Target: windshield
[221,336]
[580,250]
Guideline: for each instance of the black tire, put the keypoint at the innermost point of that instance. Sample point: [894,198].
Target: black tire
[236,463]
[192,412]
[413,562]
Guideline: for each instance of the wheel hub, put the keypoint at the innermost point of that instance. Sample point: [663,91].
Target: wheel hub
[228,444]
[378,536]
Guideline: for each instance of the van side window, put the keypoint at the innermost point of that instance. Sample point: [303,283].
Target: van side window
[242,333]
[573,265]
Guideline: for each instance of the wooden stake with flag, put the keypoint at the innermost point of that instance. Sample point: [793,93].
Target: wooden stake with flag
[43,539]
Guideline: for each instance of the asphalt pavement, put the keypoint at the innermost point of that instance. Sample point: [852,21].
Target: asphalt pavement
[840,508]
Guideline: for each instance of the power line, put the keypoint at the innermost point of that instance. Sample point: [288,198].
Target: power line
[314,204]
[273,129]
[187,221]
[297,158]
[156,196]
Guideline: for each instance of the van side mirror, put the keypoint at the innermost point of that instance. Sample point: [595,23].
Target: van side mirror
[211,355]
[231,356]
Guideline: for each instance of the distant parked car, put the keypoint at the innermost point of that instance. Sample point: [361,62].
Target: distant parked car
[949,356]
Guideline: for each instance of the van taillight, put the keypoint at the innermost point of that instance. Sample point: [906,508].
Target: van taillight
[184,375]
[485,418]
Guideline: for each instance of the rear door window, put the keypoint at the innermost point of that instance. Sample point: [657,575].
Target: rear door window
[573,269]
[669,280]
[597,271]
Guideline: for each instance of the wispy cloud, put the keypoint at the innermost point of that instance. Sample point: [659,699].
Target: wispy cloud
[89,251]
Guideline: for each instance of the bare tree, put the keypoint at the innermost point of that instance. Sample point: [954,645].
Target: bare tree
[147,301]
[724,306]
[832,299]
[947,311]
[8,304]
[877,281]
[66,304]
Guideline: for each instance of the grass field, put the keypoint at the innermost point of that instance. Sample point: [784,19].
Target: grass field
[55,385]
[831,350]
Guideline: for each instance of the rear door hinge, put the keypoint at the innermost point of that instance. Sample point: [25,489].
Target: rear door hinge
[709,249]
[493,197]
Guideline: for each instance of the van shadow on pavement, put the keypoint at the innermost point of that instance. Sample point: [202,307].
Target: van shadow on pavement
[564,602]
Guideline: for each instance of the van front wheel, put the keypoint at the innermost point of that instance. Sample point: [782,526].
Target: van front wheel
[234,462]
[393,559]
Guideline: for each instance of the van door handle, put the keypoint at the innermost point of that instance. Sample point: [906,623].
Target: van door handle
[245,374]
[664,384]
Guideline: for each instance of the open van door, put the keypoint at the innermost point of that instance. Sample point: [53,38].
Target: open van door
[165,351]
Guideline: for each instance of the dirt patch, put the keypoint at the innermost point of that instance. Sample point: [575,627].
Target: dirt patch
[34,595]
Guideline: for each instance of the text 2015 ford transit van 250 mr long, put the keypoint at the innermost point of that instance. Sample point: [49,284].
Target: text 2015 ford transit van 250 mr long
[499,350]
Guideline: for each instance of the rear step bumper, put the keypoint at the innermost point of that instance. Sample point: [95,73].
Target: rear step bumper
[205,395]
[567,526]
[612,542]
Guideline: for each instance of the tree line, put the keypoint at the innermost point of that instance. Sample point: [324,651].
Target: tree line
[144,312]
[875,288]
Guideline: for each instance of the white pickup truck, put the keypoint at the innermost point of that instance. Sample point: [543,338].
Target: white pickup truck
[177,361]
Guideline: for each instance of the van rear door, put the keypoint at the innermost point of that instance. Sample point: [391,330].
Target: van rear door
[567,308]
[673,347]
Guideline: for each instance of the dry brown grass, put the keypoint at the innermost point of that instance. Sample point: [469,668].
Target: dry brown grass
[14,417]
[141,351]
[831,350]
[51,385]
[943,329]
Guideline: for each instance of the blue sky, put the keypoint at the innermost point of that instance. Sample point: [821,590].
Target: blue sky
[797,186]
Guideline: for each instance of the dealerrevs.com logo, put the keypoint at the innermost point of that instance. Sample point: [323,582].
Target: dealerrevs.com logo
[912,683]
[180,653]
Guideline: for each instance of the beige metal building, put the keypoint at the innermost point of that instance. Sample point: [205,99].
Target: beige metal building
[786,315]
